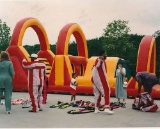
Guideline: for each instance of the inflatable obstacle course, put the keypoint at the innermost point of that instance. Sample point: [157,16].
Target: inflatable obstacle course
[60,66]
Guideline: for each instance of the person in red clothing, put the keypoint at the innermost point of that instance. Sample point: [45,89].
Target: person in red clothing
[100,83]
[36,73]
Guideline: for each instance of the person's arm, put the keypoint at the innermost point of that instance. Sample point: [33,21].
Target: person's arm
[123,71]
[139,86]
[11,70]
[116,72]
[26,64]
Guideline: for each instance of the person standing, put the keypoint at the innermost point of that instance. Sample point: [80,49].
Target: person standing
[100,83]
[6,79]
[73,86]
[119,89]
[36,75]
[148,80]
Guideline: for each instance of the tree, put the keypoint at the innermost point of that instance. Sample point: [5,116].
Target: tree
[32,49]
[116,41]
[53,48]
[4,36]
[72,49]
[94,46]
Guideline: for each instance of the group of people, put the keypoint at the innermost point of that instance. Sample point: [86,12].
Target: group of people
[102,89]
[37,79]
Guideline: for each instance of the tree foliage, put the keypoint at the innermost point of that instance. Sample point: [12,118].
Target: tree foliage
[116,38]
[94,47]
[117,41]
[4,36]
[72,49]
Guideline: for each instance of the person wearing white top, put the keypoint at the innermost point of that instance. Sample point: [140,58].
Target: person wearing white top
[73,86]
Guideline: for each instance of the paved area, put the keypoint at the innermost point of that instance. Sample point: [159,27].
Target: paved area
[58,118]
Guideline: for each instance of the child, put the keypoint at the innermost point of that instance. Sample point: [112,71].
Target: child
[73,85]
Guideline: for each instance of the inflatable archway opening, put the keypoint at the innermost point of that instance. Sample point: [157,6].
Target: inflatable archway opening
[64,36]
[78,64]
[17,52]
[64,65]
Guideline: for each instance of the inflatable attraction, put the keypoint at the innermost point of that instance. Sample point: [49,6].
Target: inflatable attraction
[60,65]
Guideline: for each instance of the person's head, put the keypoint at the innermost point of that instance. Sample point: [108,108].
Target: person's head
[74,75]
[103,54]
[33,57]
[120,64]
[4,56]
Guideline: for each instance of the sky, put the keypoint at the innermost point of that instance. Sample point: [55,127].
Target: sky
[92,16]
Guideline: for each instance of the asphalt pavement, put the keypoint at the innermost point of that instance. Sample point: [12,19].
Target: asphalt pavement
[59,118]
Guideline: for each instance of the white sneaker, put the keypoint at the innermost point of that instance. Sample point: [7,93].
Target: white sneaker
[8,112]
[26,104]
[108,111]
[96,110]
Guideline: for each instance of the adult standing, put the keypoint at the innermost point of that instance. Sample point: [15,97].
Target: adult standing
[100,83]
[36,75]
[6,79]
[148,80]
[120,91]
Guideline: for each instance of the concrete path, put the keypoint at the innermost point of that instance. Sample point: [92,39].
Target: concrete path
[58,118]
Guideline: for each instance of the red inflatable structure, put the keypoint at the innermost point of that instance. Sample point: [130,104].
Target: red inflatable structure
[61,65]
[146,61]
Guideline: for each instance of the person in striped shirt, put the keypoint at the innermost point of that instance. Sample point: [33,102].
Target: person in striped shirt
[100,83]
[36,75]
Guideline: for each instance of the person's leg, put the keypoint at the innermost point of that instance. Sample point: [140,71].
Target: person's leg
[33,92]
[97,103]
[44,94]
[8,95]
[1,93]
[96,97]
[71,98]
[149,83]
[99,100]
[40,98]
[107,100]
[107,96]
